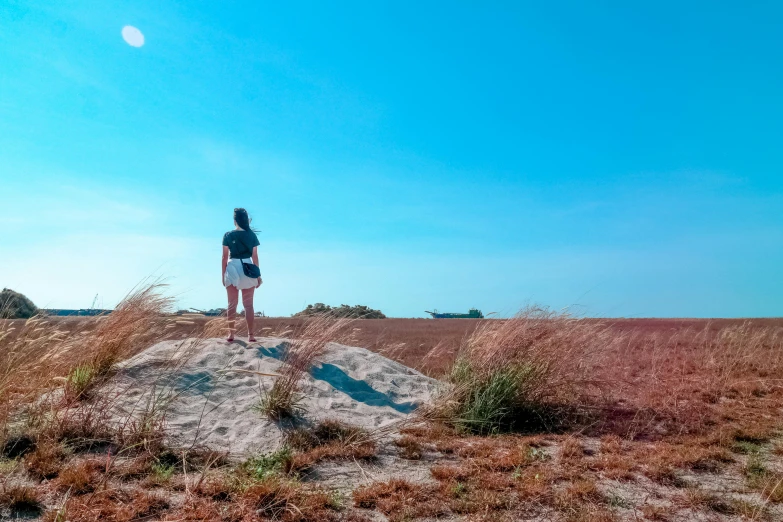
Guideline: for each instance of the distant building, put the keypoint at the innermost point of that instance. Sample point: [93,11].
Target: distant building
[215,312]
[84,312]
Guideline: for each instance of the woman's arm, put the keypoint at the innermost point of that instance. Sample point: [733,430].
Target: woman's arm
[225,262]
[255,262]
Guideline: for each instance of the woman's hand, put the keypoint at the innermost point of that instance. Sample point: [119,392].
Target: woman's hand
[260,282]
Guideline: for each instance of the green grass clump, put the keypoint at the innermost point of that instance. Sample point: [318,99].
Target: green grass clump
[755,469]
[281,401]
[760,478]
[533,372]
[162,472]
[497,401]
[746,447]
[80,380]
[268,465]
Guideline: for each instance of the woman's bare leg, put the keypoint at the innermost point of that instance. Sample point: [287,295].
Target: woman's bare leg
[233,299]
[247,302]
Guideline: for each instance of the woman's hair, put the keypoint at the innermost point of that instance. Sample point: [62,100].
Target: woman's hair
[242,219]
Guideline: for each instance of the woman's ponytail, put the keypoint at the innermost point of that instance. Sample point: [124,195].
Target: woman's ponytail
[242,219]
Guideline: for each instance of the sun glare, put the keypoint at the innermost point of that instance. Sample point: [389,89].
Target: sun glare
[132,36]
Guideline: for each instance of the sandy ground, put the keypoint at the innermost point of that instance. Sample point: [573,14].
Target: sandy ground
[210,390]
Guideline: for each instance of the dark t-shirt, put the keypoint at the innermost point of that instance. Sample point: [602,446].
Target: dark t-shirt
[240,243]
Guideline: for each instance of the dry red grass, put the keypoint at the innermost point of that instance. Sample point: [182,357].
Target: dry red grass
[409,448]
[46,460]
[38,360]
[401,500]
[19,497]
[650,379]
[80,477]
[330,440]
[223,497]
[512,485]
[677,397]
[118,505]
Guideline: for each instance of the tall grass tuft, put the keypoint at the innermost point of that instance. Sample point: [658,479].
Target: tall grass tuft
[308,342]
[522,373]
[676,380]
[24,347]
[46,373]
[137,321]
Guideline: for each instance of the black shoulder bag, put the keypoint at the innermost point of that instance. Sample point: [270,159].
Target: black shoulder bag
[252,271]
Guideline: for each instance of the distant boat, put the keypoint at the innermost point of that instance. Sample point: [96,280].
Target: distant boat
[473,313]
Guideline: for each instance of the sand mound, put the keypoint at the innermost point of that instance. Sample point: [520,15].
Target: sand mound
[210,389]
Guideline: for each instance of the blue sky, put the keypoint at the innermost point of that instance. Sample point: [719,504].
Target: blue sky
[617,158]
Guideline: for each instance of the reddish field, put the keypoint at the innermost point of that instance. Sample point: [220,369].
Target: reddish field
[410,340]
[679,420]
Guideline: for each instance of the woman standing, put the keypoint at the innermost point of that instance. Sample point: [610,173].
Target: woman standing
[241,244]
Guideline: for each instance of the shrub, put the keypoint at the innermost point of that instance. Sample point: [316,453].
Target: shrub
[410,448]
[135,323]
[491,401]
[19,498]
[14,305]
[79,478]
[268,464]
[277,498]
[35,357]
[331,430]
[47,459]
[309,341]
[330,439]
[282,400]
[400,500]
[111,504]
[80,380]
[524,373]
[344,311]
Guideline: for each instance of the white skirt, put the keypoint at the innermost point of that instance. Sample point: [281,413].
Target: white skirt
[235,276]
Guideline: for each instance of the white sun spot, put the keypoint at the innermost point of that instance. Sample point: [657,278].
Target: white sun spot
[132,36]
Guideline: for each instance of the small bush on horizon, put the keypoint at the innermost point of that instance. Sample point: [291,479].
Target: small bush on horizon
[14,305]
[344,311]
